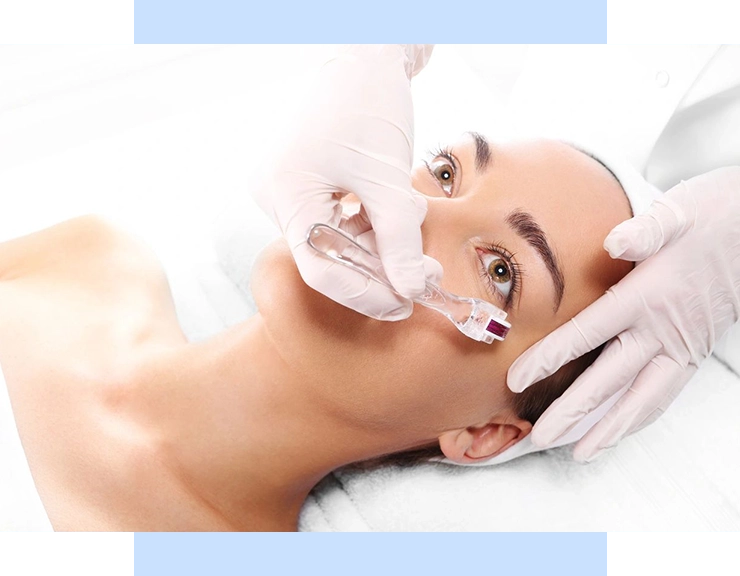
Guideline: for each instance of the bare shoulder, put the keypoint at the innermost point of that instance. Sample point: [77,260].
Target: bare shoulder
[89,246]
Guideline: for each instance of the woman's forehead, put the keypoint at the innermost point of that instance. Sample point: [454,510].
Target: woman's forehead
[551,174]
[573,198]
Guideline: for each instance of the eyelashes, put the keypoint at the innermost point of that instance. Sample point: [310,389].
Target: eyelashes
[444,169]
[443,152]
[515,271]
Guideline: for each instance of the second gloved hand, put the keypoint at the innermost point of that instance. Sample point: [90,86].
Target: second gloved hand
[664,317]
[355,135]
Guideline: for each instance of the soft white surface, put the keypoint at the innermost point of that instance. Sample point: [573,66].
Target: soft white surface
[679,474]
[157,137]
[165,140]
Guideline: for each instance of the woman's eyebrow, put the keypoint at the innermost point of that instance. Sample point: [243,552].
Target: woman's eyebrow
[525,226]
[482,152]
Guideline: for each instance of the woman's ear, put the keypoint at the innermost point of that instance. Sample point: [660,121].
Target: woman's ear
[478,443]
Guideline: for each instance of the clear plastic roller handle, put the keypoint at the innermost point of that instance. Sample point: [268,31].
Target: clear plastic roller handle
[477,319]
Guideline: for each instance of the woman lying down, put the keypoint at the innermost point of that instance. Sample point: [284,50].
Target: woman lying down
[126,425]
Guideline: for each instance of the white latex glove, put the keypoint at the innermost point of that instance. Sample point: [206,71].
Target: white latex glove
[356,135]
[664,316]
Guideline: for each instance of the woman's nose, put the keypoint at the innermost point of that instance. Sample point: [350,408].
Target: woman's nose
[422,183]
[443,225]
[444,212]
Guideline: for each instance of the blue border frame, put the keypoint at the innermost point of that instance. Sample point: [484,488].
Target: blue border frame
[378,21]
[282,21]
[372,554]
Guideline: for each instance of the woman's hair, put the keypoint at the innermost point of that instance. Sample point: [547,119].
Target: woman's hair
[528,405]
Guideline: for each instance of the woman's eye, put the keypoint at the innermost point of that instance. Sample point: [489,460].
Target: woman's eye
[499,271]
[444,172]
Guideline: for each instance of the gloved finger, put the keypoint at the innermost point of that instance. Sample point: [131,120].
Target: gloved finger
[618,364]
[350,288]
[394,216]
[418,56]
[642,236]
[321,206]
[591,327]
[367,241]
[651,393]
[433,271]
[422,205]
[359,223]
[356,224]
[678,384]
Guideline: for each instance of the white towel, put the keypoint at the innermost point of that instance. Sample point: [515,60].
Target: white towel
[674,475]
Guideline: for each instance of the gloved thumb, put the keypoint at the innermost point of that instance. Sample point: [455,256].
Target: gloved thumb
[642,236]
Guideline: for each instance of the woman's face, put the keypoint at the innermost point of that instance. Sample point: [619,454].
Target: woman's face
[520,225]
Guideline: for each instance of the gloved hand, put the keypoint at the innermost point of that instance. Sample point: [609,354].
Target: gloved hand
[356,135]
[665,315]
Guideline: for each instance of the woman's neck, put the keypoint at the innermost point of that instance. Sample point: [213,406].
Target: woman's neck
[241,428]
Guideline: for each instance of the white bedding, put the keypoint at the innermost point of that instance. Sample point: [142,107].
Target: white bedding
[163,139]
